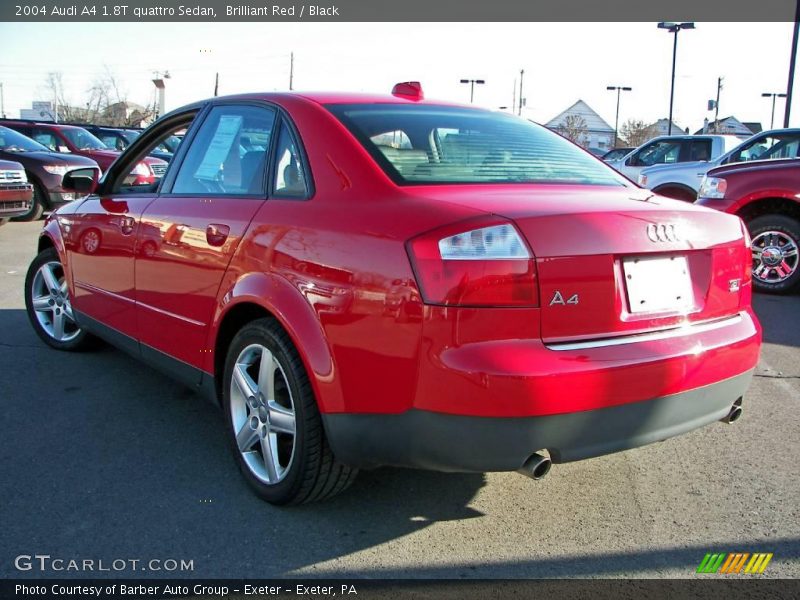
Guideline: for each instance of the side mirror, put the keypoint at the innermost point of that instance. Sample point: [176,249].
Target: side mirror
[81,181]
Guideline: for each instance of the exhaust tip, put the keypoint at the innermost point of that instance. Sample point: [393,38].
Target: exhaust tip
[536,467]
[734,415]
[736,412]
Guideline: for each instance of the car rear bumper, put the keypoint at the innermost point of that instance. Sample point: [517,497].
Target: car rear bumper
[448,442]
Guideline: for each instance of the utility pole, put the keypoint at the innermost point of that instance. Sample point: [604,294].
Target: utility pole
[291,71]
[521,75]
[716,107]
[2,102]
[216,85]
[514,97]
[792,60]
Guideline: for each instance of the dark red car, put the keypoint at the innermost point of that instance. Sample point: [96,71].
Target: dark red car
[15,191]
[766,195]
[76,140]
[385,280]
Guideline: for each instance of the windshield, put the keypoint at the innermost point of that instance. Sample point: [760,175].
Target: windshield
[11,141]
[82,139]
[421,144]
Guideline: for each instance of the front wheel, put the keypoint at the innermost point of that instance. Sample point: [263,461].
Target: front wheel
[48,304]
[776,239]
[273,421]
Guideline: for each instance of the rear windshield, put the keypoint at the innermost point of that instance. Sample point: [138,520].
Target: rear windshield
[422,144]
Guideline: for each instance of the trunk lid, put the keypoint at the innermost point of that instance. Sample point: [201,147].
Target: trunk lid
[614,261]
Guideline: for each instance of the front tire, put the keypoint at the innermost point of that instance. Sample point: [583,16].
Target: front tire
[776,240]
[48,304]
[274,425]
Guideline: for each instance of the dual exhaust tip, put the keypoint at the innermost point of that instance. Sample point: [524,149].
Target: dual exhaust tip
[538,465]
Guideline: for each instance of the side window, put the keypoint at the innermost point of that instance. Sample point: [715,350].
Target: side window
[663,152]
[290,175]
[46,138]
[768,147]
[700,150]
[144,172]
[229,153]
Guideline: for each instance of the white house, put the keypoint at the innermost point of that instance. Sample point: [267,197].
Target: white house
[599,134]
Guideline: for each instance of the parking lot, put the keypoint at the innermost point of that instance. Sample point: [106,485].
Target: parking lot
[104,458]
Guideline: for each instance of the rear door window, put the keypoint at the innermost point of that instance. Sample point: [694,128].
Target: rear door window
[699,150]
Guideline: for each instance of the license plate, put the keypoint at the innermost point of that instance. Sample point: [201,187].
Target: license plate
[660,284]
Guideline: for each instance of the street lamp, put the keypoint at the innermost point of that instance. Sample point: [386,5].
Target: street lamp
[472,83]
[618,89]
[673,28]
[773,95]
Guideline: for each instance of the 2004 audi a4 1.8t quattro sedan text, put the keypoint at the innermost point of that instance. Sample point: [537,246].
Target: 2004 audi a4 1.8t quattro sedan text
[385,280]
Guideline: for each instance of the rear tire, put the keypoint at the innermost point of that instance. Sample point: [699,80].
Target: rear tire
[48,304]
[274,425]
[776,243]
[38,204]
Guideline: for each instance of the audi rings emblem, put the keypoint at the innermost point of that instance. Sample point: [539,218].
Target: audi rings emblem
[663,232]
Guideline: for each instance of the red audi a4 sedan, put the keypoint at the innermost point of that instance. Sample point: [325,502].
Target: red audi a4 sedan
[385,280]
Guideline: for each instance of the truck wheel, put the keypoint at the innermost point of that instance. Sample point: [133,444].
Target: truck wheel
[776,239]
[37,204]
[273,421]
[677,193]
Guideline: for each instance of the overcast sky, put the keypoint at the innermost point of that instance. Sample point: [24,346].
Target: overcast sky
[562,61]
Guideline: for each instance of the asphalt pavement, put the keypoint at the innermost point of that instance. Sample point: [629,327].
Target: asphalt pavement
[105,459]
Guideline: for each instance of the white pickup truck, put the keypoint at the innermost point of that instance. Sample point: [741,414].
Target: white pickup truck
[682,180]
[671,149]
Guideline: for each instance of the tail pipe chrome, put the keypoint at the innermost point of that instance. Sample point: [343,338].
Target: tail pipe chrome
[536,467]
[735,413]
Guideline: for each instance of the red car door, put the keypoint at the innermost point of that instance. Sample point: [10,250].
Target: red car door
[190,232]
[101,239]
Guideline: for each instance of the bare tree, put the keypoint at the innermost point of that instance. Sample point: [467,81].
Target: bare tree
[105,103]
[574,128]
[62,108]
[634,132]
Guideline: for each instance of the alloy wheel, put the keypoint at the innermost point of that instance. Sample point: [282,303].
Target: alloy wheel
[51,303]
[263,414]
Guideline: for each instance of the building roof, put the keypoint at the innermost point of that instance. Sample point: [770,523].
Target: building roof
[594,122]
[663,125]
[731,125]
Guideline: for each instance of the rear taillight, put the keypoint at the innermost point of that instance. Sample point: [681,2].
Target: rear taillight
[482,262]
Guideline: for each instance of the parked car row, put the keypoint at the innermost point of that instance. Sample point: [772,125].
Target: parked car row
[48,150]
[757,179]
